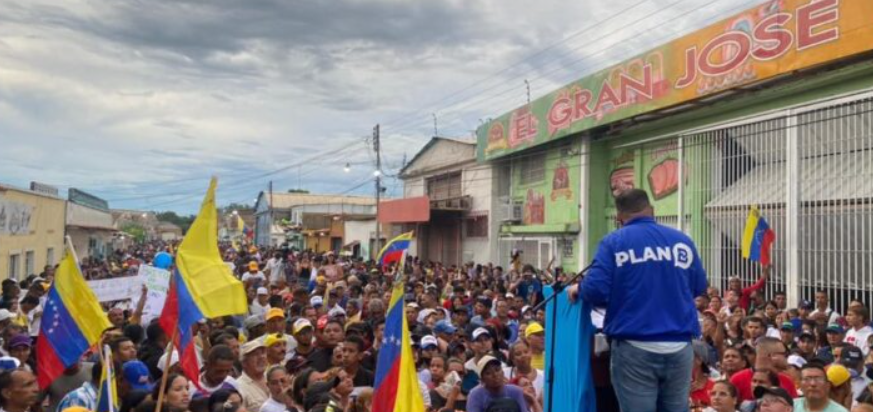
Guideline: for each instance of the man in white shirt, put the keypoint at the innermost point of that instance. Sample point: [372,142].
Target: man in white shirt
[276,268]
[261,303]
[278,383]
[823,310]
[254,275]
[858,331]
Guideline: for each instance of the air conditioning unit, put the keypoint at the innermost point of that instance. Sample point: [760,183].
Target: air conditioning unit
[517,211]
[504,205]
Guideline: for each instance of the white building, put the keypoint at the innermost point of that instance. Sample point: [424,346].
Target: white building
[90,225]
[448,202]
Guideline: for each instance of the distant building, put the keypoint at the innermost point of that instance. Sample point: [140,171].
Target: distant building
[123,218]
[308,221]
[168,231]
[447,202]
[89,224]
[31,230]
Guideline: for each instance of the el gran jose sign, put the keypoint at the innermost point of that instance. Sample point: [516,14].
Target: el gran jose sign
[774,39]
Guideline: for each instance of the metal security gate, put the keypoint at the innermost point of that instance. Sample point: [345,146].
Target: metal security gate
[536,251]
[810,171]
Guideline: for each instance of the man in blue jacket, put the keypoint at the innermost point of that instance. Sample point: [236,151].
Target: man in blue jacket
[647,275]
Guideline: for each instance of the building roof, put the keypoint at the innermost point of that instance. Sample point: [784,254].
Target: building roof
[4,186]
[289,200]
[433,142]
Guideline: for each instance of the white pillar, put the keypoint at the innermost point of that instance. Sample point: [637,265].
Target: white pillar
[792,213]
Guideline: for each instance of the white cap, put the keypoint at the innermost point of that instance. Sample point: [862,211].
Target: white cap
[796,361]
[162,362]
[316,301]
[263,291]
[429,340]
[412,305]
[484,362]
[5,315]
[336,311]
[427,312]
[479,332]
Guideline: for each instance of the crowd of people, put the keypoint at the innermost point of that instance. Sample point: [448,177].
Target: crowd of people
[315,327]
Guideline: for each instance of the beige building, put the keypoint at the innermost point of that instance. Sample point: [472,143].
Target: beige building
[31,231]
[89,225]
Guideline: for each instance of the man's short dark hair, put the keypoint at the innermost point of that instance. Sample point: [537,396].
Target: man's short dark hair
[752,319]
[814,364]
[356,341]
[632,201]
[219,353]
[115,343]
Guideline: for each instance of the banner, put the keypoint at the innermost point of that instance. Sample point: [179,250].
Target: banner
[15,218]
[573,386]
[762,43]
[116,289]
[158,282]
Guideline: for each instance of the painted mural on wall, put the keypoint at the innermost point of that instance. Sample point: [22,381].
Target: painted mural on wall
[622,177]
[561,182]
[534,208]
[654,169]
[15,218]
[552,200]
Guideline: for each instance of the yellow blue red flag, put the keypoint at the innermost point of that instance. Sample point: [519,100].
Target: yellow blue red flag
[394,250]
[396,384]
[757,238]
[202,286]
[72,322]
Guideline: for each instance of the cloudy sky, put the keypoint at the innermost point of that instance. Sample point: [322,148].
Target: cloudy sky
[140,101]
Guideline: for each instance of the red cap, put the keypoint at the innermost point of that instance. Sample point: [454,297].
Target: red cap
[322,322]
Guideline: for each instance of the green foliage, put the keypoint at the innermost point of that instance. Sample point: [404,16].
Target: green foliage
[135,231]
[183,222]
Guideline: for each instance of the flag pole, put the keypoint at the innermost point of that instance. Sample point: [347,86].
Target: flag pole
[169,353]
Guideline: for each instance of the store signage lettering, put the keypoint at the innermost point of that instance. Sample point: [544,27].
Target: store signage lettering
[777,38]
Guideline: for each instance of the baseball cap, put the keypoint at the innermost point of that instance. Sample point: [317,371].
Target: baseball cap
[136,374]
[429,341]
[251,346]
[479,332]
[805,304]
[444,326]
[532,328]
[852,357]
[322,322]
[5,314]
[761,391]
[834,328]
[273,339]
[76,409]
[427,312]
[412,305]
[8,363]
[484,362]
[787,326]
[174,359]
[253,321]
[275,313]
[20,340]
[263,291]
[336,312]
[253,265]
[300,324]
[316,301]
[806,335]
[797,361]
[838,374]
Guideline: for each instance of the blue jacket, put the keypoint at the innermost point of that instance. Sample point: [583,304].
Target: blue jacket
[646,275]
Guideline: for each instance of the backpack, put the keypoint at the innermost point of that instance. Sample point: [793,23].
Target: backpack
[502,405]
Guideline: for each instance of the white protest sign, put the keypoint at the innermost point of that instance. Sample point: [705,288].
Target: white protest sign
[158,282]
[115,289]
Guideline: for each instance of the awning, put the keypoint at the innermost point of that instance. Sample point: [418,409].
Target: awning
[822,179]
[410,210]
[352,244]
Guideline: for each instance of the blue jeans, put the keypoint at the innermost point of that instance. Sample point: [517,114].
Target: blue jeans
[649,382]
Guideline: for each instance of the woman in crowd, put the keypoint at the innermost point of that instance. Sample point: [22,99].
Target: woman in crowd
[176,397]
[519,359]
[723,397]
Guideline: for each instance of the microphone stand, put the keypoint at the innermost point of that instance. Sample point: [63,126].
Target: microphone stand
[557,288]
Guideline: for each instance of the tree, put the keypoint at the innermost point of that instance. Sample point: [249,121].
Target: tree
[183,222]
[135,231]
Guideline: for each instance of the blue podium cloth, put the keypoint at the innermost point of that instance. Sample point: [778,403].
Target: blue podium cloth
[573,385]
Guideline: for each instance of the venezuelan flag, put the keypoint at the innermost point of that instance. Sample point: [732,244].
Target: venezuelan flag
[757,238]
[202,286]
[396,385]
[107,396]
[72,322]
[393,251]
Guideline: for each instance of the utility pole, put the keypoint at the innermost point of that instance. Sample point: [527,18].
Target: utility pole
[378,174]
[270,228]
